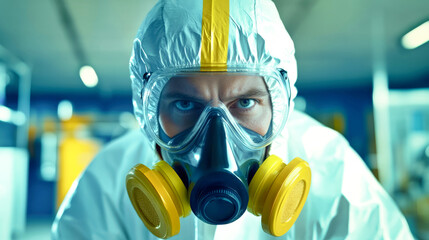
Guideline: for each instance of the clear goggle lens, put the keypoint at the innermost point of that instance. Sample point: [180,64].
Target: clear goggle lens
[254,105]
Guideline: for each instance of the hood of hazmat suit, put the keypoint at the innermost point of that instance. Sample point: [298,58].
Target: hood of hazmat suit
[184,36]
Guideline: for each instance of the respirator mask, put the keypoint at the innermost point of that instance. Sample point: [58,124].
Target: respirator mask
[214,130]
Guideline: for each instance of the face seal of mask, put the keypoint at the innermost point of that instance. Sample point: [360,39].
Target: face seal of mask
[213,153]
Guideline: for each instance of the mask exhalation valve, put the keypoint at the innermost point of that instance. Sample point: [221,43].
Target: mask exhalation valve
[219,198]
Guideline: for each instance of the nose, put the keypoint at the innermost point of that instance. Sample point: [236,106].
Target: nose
[216,151]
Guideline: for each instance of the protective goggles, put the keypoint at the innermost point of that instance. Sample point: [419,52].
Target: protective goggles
[177,104]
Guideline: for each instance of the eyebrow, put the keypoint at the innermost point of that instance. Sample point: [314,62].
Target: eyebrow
[252,93]
[178,95]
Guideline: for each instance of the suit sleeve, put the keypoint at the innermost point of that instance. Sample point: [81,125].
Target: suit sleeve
[365,210]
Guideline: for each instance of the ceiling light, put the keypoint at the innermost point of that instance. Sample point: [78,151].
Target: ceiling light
[65,110]
[416,37]
[88,76]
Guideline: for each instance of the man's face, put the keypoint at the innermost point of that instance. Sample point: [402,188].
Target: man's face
[185,97]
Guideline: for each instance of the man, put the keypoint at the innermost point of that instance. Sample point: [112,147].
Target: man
[213,88]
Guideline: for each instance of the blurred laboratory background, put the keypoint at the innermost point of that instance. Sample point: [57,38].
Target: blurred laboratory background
[65,93]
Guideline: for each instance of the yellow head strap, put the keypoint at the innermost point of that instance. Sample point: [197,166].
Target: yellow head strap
[214,35]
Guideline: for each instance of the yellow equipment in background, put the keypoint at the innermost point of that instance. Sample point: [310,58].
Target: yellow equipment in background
[76,150]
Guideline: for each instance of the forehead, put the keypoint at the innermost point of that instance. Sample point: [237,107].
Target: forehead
[209,84]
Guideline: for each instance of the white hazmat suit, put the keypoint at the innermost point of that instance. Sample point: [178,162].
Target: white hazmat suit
[345,200]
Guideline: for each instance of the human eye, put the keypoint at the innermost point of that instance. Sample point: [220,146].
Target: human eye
[184,105]
[245,103]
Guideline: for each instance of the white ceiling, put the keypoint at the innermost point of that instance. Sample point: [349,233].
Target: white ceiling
[333,38]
